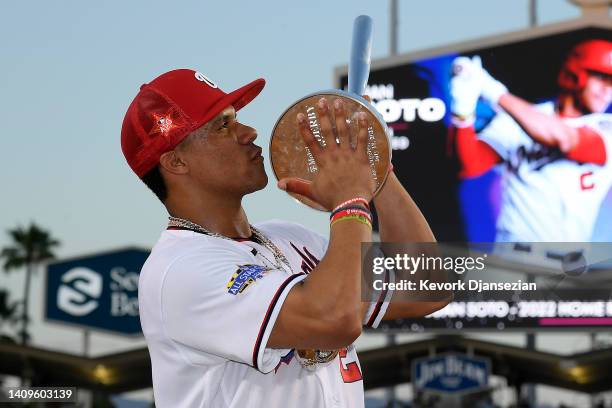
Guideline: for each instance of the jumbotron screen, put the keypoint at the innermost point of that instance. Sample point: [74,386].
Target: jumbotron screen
[517,188]
[578,309]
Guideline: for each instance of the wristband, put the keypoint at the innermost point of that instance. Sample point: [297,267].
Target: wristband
[352,212]
[463,122]
[349,207]
[359,218]
[352,201]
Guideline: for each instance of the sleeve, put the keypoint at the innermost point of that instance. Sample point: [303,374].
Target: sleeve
[591,147]
[475,156]
[504,135]
[379,302]
[220,303]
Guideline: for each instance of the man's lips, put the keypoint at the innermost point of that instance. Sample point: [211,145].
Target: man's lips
[256,154]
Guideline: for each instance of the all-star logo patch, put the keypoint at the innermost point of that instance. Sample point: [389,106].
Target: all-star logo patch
[165,123]
[245,276]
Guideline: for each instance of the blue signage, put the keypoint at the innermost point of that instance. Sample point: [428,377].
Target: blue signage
[450,373]
[98,291]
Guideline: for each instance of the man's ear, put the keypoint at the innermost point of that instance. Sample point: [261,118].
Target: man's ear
[172,163]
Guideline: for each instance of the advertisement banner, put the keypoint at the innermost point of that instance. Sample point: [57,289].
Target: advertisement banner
[97,291]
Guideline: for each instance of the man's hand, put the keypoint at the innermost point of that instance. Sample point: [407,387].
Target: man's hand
[343,171]
[465,86]
[469,82]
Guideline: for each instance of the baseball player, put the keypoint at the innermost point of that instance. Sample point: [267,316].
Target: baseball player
[241,315]
[557,156]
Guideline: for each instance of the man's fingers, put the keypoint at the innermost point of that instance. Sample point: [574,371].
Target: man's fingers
[296,185]
[307,136]
[341,126]
[327,133]
[362,136]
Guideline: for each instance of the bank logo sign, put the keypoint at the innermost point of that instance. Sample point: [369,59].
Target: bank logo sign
[98,291]
[78,293]
[450,373]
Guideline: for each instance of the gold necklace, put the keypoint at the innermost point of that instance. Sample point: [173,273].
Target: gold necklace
[279,257]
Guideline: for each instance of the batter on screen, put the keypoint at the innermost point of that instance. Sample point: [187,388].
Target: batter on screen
[241,315]
[557,156]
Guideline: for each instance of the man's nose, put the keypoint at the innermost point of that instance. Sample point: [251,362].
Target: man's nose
[246,134]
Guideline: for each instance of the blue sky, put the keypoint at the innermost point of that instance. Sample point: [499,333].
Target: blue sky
[70,69]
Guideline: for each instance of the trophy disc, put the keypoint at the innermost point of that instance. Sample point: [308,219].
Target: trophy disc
[290,157]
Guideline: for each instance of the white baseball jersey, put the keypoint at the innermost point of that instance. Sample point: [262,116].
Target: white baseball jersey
[207,307]
[546,197]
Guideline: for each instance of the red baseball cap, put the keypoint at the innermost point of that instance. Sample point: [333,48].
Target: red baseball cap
[169,108]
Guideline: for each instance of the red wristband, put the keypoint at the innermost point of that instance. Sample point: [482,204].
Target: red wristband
[352,211]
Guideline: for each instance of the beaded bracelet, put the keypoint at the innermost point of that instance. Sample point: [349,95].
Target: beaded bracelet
[352,201]
[353,217]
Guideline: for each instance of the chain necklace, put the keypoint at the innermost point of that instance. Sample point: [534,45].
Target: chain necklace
[258,235]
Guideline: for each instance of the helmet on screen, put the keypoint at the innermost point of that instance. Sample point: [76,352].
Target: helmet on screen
[591,55]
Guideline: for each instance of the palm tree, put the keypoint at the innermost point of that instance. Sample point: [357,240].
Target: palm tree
[30,247]
[8,313]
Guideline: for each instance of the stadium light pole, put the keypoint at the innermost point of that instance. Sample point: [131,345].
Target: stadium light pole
[393,27]
[533,13]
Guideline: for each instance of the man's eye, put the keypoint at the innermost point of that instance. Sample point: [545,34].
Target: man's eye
[226,123]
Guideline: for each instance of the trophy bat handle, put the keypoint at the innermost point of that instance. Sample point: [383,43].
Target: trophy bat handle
[359,63]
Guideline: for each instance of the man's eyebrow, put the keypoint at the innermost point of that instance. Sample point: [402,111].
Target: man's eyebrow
[224,118]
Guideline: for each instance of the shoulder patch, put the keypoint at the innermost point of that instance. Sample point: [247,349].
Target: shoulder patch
[245,276]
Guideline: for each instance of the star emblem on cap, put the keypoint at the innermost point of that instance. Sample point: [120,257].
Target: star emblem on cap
[163,124]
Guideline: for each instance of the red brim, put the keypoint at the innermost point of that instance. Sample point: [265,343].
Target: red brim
[238,99]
